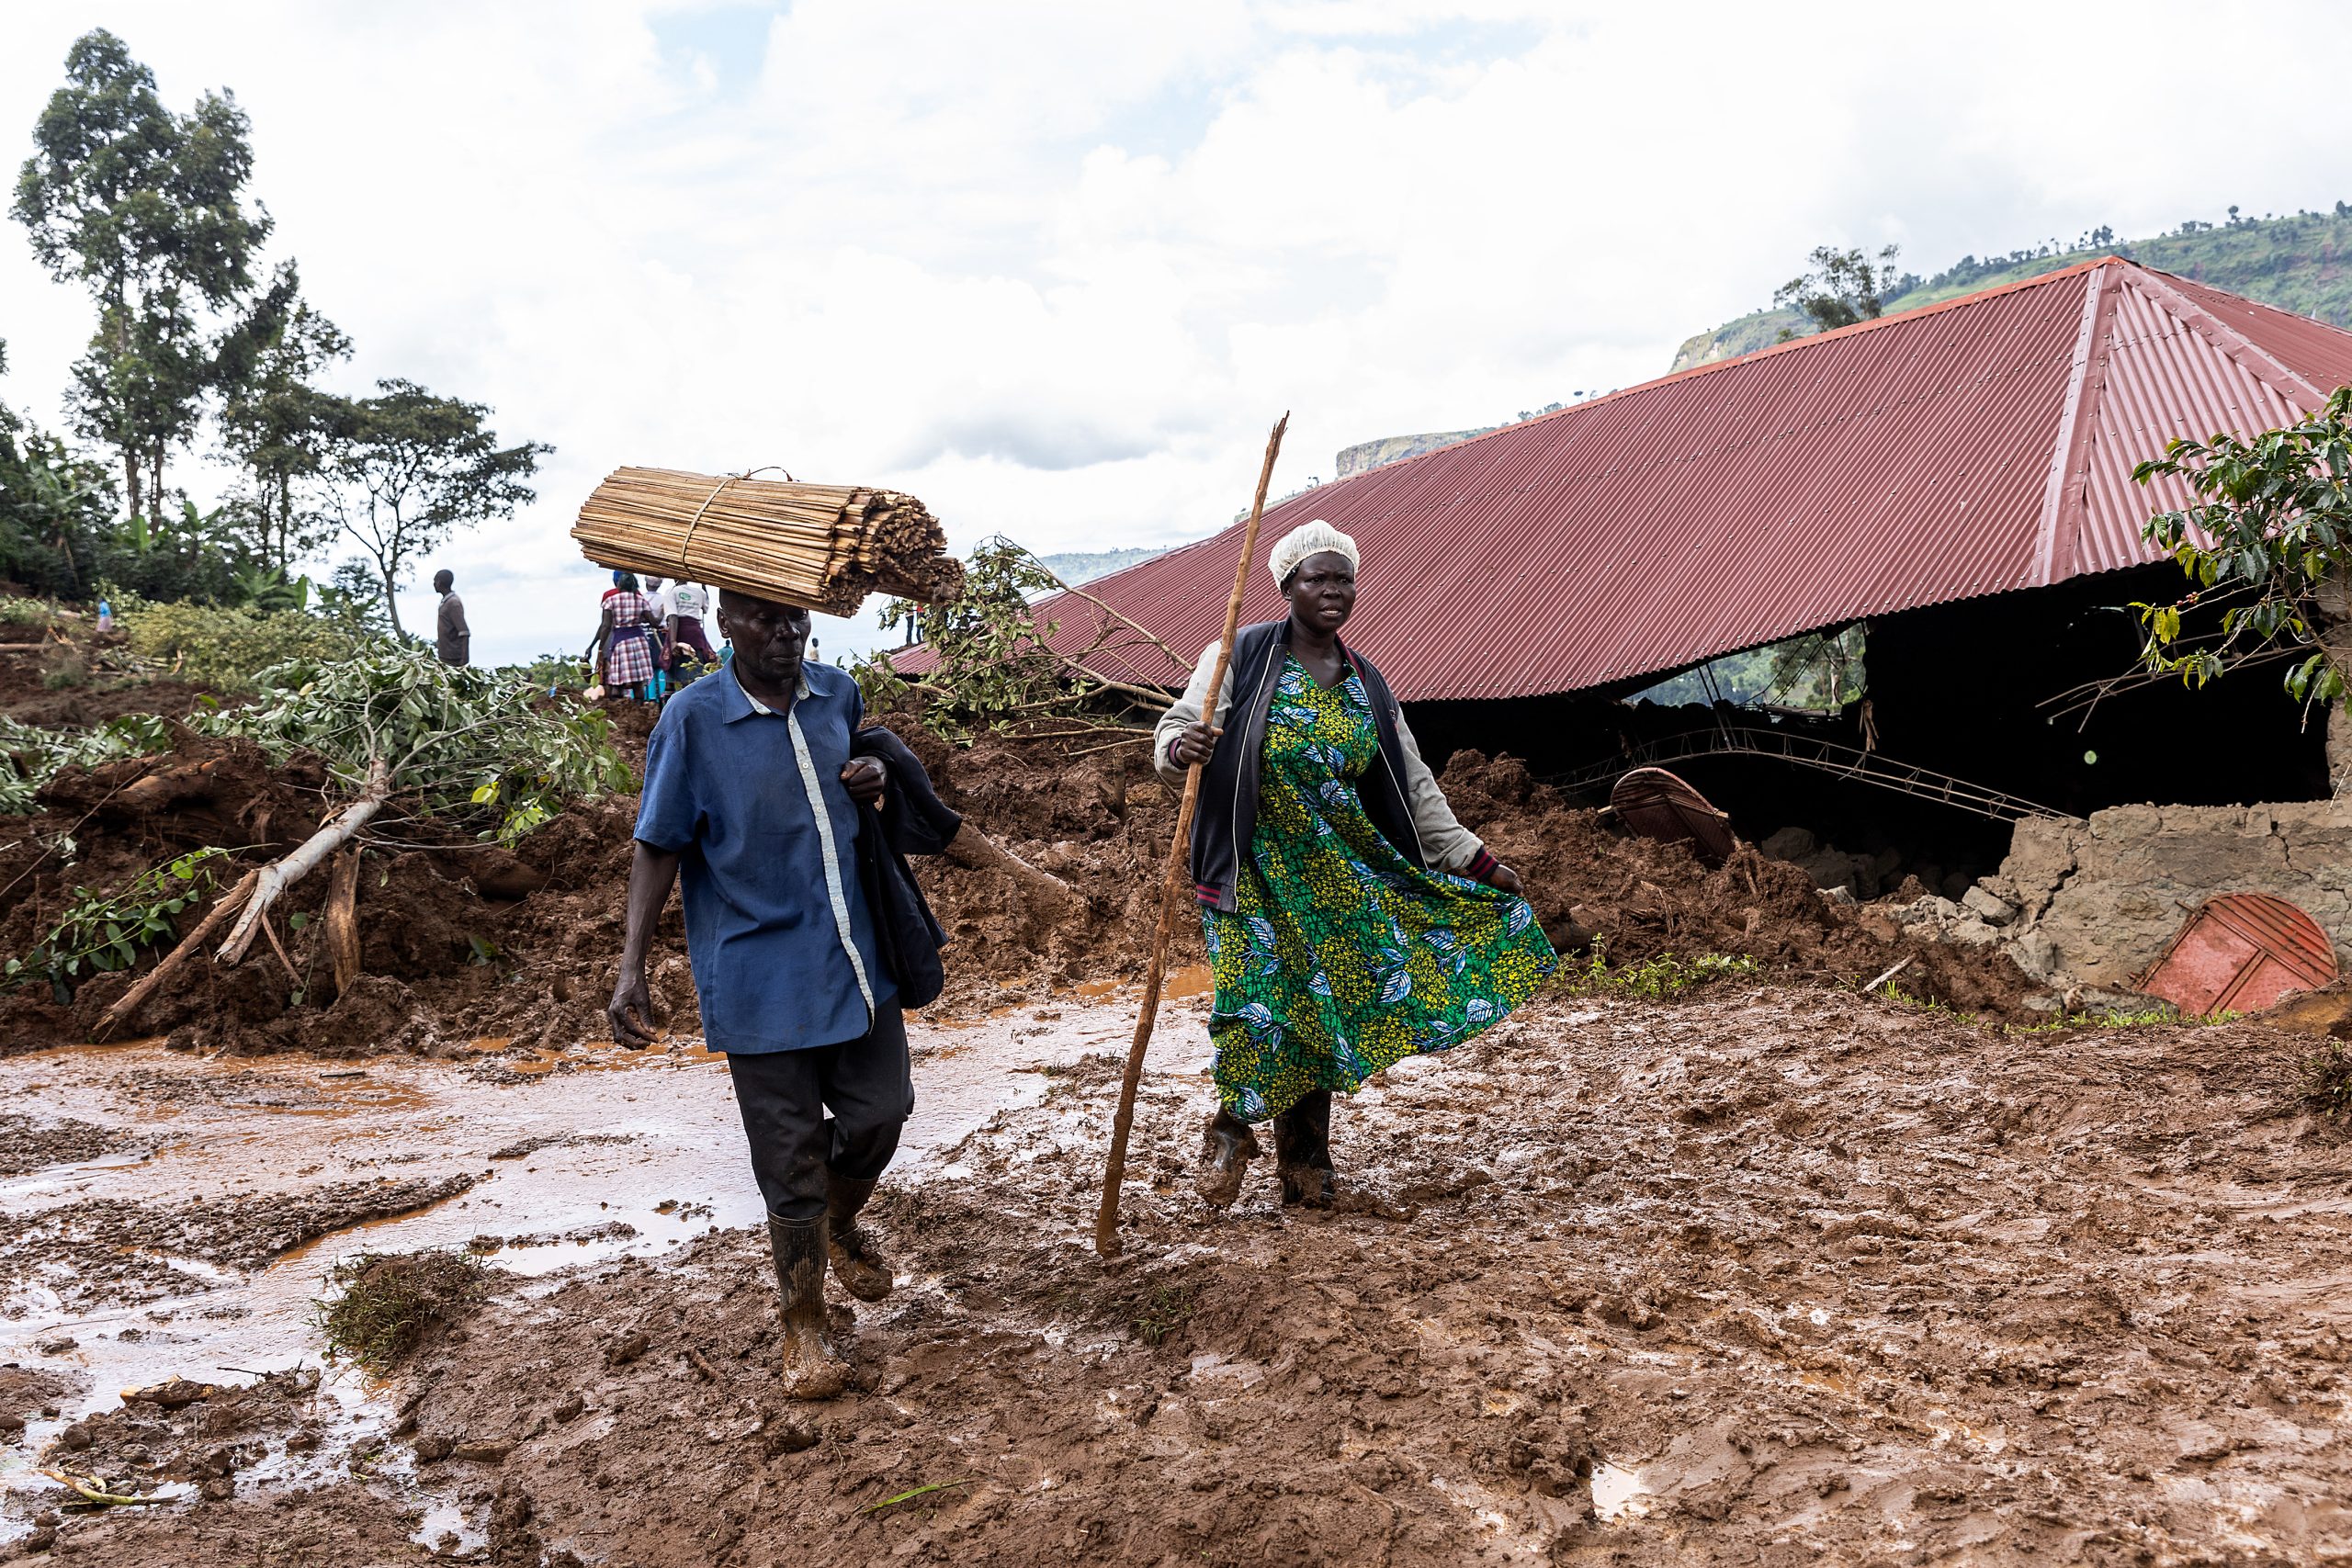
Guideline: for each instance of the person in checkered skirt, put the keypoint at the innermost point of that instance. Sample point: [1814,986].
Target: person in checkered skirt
[623,646]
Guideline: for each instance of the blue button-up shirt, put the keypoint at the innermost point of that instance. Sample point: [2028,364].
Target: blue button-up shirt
[777,925]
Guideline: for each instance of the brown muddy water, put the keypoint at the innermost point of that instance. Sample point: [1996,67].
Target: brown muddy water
[144,1258]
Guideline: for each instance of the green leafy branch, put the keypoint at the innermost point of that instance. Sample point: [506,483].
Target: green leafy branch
[466,744]
[2271,532]
[102,933]
[995,662]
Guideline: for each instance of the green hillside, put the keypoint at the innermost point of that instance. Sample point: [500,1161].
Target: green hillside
[2296,263]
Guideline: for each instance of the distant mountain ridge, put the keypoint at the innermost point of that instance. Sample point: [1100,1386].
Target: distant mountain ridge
[1075,567]
[2297,263]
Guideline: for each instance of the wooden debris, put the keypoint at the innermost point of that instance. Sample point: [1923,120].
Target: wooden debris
[825,546]
[341,921]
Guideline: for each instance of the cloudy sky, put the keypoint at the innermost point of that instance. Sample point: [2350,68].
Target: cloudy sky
[1055,267]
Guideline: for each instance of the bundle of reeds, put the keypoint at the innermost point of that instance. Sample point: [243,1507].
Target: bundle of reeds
[826,547]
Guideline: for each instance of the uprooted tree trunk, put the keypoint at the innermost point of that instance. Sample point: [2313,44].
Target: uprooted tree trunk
[975,850]
[280,875]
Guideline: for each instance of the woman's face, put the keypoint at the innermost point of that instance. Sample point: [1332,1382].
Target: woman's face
[1322,592]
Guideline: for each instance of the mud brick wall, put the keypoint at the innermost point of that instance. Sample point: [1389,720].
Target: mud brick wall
[2098,899]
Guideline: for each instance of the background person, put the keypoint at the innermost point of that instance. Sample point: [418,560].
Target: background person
[689,602]
[452,639]
[623,650]
[1352,921]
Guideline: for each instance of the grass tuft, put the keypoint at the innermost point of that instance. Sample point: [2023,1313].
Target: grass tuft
[387,1301]
[2328,1080]
[1655,978]
[1167,1309]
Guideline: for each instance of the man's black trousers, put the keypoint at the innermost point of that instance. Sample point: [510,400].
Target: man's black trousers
[784,1095]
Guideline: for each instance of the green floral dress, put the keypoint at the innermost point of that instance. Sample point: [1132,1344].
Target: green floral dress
[1343,956]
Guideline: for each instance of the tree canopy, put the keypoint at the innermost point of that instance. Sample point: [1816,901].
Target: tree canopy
[144,208]
[1841,288]
[403,468]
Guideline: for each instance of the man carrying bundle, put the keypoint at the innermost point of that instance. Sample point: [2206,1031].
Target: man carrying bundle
[798,927]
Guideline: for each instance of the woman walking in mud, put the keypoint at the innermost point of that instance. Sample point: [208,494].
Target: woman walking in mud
[1352,921]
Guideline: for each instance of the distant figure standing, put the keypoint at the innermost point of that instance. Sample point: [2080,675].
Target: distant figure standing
[452,637]
[689,602]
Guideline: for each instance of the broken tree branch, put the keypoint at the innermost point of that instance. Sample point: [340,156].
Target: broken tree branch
[975,850]
[1900,965]
[278,875]
[1101,636]
[127,1006]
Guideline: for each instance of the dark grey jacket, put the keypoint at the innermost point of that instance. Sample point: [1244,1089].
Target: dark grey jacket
[452,637]
[1400,795]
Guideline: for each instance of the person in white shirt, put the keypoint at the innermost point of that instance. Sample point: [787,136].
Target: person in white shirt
[686,604]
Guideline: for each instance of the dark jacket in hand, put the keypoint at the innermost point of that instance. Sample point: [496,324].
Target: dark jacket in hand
[912,821]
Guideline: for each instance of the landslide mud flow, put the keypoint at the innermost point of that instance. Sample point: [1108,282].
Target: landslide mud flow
[1772,1274]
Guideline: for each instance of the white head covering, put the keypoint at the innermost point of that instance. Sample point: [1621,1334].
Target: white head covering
[1309,539]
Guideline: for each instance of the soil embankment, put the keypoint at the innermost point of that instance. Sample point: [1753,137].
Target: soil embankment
[463,940]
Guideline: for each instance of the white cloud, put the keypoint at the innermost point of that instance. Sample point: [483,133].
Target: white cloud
[1055,267]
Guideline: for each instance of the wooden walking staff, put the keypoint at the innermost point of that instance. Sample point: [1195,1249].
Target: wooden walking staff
[1106,1219]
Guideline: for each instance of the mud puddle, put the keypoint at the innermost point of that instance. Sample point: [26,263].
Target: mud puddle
[134,1264]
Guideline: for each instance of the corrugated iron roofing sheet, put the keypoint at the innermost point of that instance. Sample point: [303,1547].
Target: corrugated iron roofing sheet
[1975,446]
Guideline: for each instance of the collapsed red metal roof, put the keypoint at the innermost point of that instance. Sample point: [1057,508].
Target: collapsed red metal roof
[1975,446]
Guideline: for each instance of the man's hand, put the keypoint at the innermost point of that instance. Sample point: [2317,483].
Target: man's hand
[1195,743]
[1503,877]
[863,778]
[631,996]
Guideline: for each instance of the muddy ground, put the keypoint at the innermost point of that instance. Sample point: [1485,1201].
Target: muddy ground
[1769,1275]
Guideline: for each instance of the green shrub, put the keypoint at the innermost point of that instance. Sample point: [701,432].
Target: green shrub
[99,933]
[62,667]
[550,672]
[227,649]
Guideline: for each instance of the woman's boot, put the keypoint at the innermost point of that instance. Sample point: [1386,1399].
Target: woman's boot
[1226,1148]
[811,1368]
[857,1263]
[1303,1151]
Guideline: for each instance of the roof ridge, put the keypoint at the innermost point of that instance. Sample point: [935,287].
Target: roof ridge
[2230,343]
[1853,330]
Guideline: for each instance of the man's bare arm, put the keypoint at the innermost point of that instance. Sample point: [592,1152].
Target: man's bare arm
[651,874]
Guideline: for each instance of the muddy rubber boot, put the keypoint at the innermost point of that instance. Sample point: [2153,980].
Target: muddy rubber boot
[1303,1151]
[1226,1148]
[812,1368]
[858,1264]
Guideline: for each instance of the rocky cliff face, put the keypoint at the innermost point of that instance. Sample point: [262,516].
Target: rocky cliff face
[1365,455]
